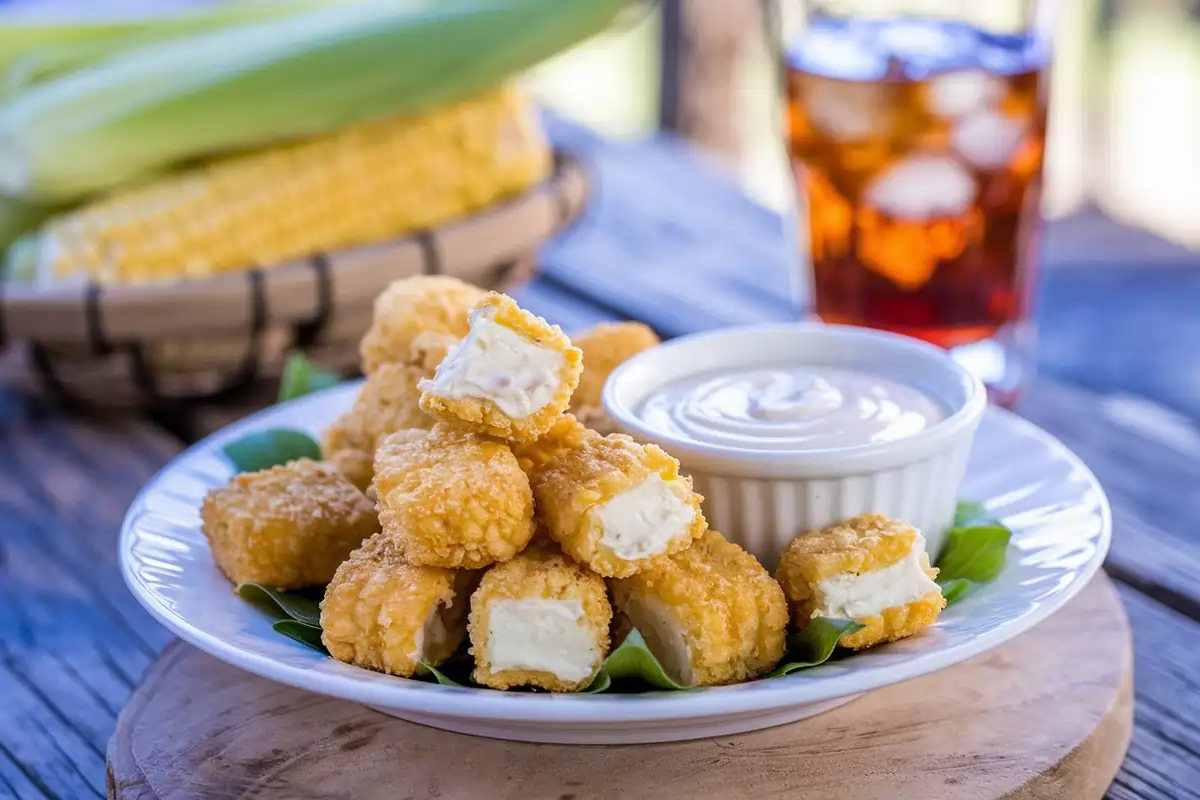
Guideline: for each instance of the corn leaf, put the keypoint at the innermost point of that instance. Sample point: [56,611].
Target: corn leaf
[44,59]
[131,115]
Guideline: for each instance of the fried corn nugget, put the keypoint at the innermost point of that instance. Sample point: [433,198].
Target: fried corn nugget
[388,401]
[539,620]
[385,614]
[604,348]
[452,499]
[614,504]
[710,614]
[871,569]
[566,433]
[416,320]
[511,376]
[288,526]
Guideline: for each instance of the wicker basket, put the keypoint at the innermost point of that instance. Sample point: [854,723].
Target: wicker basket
[157,345]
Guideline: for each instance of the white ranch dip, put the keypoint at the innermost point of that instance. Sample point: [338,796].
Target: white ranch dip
[790,408]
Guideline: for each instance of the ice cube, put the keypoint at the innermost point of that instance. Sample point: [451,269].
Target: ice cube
[844,110]
[957,94]
[923,187]
[988,139]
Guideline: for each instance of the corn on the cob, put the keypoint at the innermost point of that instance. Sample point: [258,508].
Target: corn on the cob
[136,114]
[362,184]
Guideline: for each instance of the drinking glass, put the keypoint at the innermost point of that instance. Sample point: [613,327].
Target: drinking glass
[915,133]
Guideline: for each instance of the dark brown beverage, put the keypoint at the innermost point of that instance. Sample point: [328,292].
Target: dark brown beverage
[918,145]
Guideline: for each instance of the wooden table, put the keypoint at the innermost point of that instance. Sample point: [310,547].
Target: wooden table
[670,241]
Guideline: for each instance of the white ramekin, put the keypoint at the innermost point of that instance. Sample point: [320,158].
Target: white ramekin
[762,499]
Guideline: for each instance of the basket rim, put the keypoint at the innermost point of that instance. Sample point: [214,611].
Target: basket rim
[563,194]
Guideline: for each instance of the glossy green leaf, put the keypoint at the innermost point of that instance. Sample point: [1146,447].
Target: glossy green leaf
[296,605]
[633,661]
[439,676]
[814,644]
[975,552]
[955,589]
[968,512]
[301,632]
[302,376]
[265,449]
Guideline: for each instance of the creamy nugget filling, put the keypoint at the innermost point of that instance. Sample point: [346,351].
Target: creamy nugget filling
[663,634]
[642,521]
[542,636]
[495,363]
[445,619]
[851,596]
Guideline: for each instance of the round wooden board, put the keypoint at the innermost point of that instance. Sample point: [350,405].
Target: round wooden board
[1046,716]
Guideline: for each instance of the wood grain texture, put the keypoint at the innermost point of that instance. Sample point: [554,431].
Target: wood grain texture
[73,642]
[1046,716]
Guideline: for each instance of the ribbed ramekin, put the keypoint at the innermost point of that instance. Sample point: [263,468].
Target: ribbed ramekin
[762,499]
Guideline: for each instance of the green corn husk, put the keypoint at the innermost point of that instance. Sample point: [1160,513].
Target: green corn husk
[17,218]
[51,51]
[309,73]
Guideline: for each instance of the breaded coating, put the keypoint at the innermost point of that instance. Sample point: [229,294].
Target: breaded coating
[604,348]
[511,377]
[288,526]
[563,435]
[614,504]
[539,620]
[416,320]
[710,614]
[452,499]
[387,401]
[871,569]
[385,614]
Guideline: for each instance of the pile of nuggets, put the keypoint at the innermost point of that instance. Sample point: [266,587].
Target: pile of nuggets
[475,489]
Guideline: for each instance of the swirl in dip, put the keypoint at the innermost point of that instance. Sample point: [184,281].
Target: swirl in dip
[797,408]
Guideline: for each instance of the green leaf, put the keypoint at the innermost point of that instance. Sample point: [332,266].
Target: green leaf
[634,661]
[814,644]
[600,683]
[295,605]
[265,449]
[439,676]
[302,632]
[975,552]
[955,589]
[967,512]
[302,376]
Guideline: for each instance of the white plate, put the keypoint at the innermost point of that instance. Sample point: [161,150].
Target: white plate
[1058,513]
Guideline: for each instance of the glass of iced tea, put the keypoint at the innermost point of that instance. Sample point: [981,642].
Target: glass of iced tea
[915,133]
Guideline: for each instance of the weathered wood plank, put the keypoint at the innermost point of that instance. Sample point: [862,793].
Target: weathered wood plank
[1149,474]
[1163,762]
[73,641]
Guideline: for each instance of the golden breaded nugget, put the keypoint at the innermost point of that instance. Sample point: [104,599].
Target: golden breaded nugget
[387,401]
[385,614]
[288,526]
[539,620]
[452,499]
[604,348]
[416,320]
[871,569]
[511,376]
[710,614]
[614,504]
[564,434]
